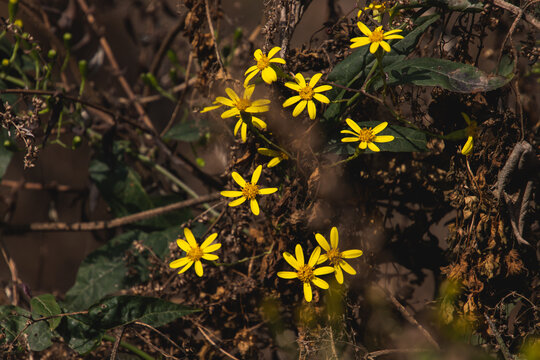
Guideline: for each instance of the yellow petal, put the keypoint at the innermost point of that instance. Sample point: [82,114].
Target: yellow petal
[273,51]
[353,125]
[322,242]
[373,147]
[308,294]
[292,100]
[190,238]
[350,139]
[183,244]
[231,193]
[334,237]
[314,256]
[339,275]
[314,79]
[248,91]
[299,254]
[208,241]
[300,80]
[377,129]
[184,269]
[198,268]
[237,201]
[212,248]
[467,149]
[322,259]
[287,274]
[239,179]
[232,94]
[254,206]
[256,175]
[210,257]
[267,152]
[269,75]
[267,191]
[383,138]
[312,110]
[179,262]
[320,283]
[373,47]
[299,108]
[349,254]
[271,164]
[363,28]
[347,268]
[322,88]
[291,260]
[385,46]
[321,98]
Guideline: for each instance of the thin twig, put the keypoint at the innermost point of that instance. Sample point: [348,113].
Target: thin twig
[504,349]
[108,224]
[161,334]
[516,11]
[213,343]
[407,315]
[378,353]
[38,186]
[116,68]
[117,343]
[209,19]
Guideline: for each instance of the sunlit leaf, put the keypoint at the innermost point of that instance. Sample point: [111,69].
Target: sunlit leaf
[449,75]
[45,305]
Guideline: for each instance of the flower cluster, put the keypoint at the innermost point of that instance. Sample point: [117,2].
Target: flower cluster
[307,92]
[308,273]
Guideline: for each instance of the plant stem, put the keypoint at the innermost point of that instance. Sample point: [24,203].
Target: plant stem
[130,347]
[246,118]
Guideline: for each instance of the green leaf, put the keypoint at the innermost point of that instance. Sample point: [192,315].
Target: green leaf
[184,131]
[45,305]
[79,334]
[405,140]
[102,272]
[449,75]
[13,321]
[105,270]
[352,71]
[459,5]
[125,309]
[120,186]
[39,336]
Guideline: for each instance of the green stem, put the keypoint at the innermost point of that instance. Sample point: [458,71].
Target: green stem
[246,118]
[130,347]
[379,56]
[12,79]
[352,157]
[175,180]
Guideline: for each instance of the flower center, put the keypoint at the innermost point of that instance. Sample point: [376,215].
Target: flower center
[195,254]
[250,191]
[283,156]
[263,62]
[366,135]
[334,256]
[242,104]
[376,36]
[305,273]
[306,93]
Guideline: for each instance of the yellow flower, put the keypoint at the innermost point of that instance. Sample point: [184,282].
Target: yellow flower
[306,92]
[278,156]
[263,65]
[306,273]
[238,104]
[366,136]
[471,133]
[374,38]
[377,8]
[249,190]
[335,257]
[242,126]
[194,252]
